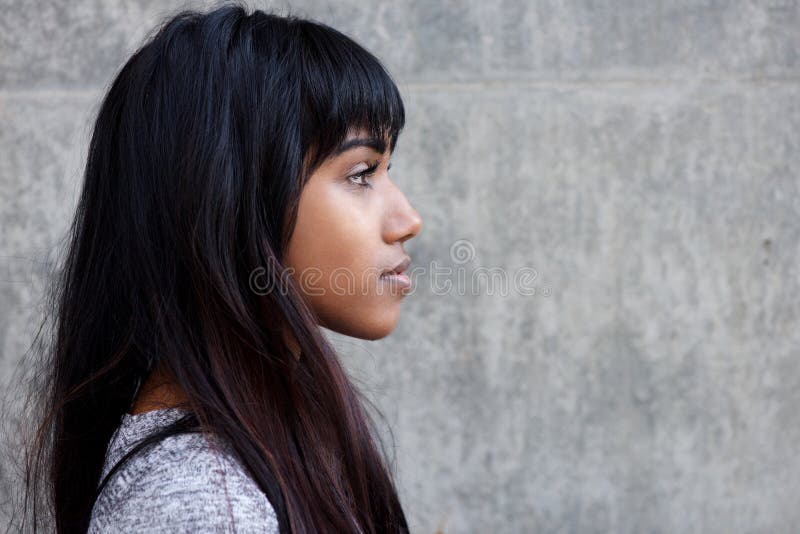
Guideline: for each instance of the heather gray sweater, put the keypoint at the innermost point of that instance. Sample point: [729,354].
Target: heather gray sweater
[185,483]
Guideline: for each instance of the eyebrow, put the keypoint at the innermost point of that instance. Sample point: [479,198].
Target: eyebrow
[378,145]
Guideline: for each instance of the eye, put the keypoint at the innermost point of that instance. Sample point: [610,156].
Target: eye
[369,171]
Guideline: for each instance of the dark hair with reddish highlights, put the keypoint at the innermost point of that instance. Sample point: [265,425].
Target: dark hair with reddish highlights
[198,155]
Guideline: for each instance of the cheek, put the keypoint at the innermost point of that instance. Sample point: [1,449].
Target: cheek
[335,251]
[335,240]
[332,233]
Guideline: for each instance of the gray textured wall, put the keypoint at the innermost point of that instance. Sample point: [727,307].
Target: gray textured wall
[641,156]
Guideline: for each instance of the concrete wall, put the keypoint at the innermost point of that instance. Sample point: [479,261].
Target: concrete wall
[640,158]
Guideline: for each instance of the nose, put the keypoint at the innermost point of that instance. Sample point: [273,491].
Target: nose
[404,221]
[414,224]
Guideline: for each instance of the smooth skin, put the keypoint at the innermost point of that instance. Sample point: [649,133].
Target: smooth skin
[350,228]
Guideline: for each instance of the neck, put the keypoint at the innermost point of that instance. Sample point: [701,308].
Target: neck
[159,391]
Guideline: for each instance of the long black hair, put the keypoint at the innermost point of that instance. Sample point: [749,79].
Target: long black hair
[198,155]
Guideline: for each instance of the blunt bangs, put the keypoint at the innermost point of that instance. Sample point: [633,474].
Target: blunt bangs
[345,89]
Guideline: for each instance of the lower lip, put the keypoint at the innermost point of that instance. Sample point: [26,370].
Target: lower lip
[399,279]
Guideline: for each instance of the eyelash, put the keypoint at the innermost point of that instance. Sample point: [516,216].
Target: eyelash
[369,171]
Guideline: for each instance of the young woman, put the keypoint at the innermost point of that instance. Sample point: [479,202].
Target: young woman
[236,198]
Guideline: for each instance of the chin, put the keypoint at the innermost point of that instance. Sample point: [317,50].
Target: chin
[371,329]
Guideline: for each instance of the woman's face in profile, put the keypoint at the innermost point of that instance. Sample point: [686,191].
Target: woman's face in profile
[349,231]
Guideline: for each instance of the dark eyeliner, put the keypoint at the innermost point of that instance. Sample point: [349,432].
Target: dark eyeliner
[364,174]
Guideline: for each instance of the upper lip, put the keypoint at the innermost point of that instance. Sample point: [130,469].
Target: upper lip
[400,267]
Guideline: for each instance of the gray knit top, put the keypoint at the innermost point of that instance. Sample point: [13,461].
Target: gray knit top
[184,483]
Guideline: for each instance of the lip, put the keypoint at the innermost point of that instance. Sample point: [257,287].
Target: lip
[399,279]
[399,268]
